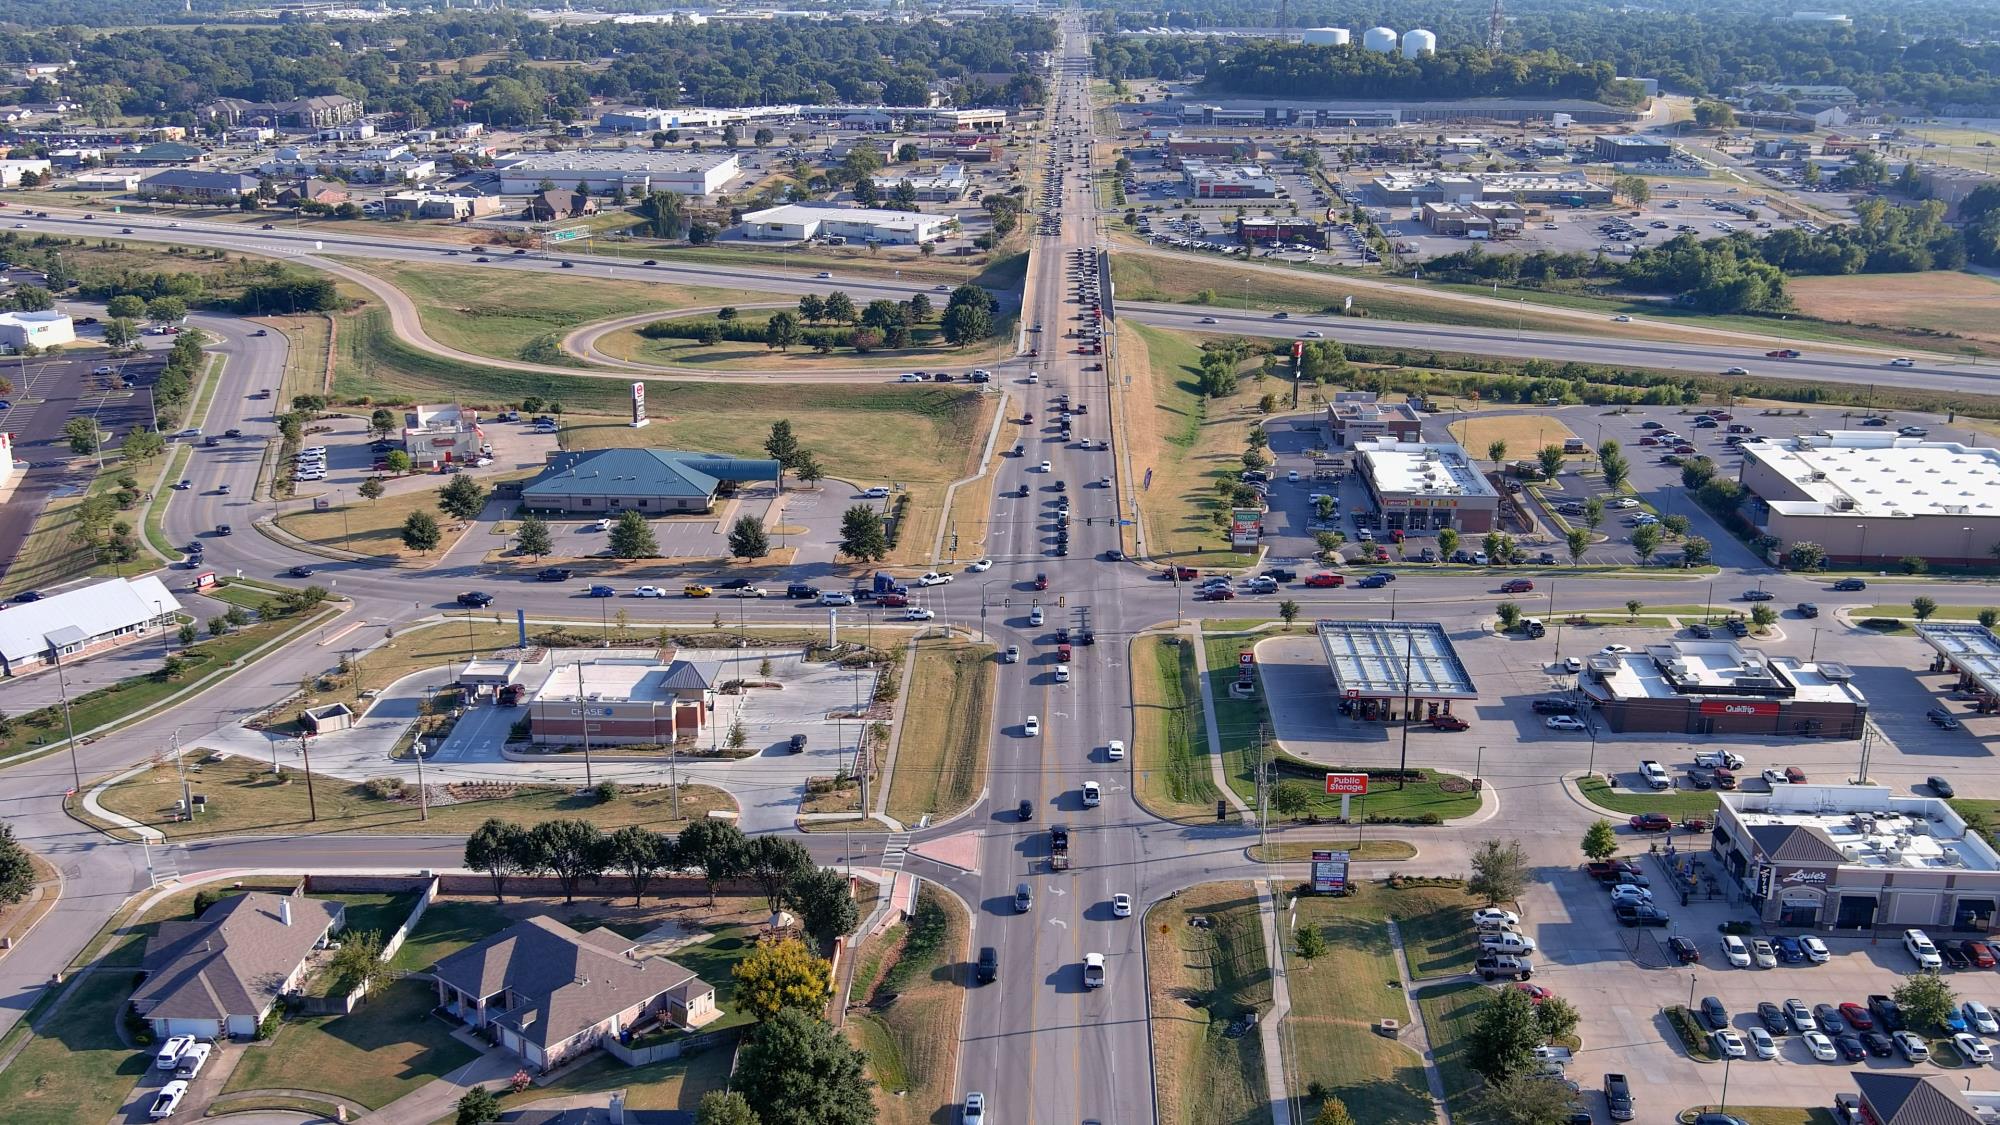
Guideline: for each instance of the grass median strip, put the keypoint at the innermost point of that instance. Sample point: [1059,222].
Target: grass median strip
[1186,440]
[905,1009]
[941,757]
[1210,979]
[1170,763]
[1676,803]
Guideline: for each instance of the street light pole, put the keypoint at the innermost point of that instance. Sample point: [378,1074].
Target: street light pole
[62,687]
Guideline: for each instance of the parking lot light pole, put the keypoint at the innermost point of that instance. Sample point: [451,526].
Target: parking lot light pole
[1726,1060]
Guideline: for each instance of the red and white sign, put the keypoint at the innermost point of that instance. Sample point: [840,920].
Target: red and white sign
[1298,348]
[1245,658]
[203,580]
[1724,707]
[1347,784]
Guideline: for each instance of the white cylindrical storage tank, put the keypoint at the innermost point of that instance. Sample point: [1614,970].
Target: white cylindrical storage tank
[1327,37]
[1381,39]
[1419,42]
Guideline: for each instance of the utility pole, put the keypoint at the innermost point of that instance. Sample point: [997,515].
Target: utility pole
[1263,789]
[583,713]
[305,751]
[1409,655]
[423,799]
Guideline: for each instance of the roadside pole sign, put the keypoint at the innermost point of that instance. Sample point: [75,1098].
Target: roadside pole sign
[1348,786]
[1329,871]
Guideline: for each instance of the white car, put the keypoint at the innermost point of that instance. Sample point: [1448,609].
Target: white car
[1012,655]
[909,377]
[747,592]
[1564,722]
[1762,1043]
[1980,1018]
[1737,952]
[1092,795]
[1494,916]
[1047,467]
[1621,319]
[1763,954]
[933,578]
[310,474]
[1913,1046]
[1035,616]
[1572,664]
[168,1100]
[1033,726]
[1115,750]
[1621,502]
[1972,1047]
[876,493]
[1121,906]
[1820,1046]
[981,567]
[1292,477]
[1816,950]
[604,525]
[1625,892]
[170,1052]
[650,592]
[1728,1044]
[919,615]
[1615,650]
[974,1112]
[1902,361]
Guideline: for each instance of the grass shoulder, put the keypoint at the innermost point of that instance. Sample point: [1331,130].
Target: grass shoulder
[1675,803]
[941,753]
[904,1010]
[1210,979]
[1171,772]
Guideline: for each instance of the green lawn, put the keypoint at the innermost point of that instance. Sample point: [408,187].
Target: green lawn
[1675,803]
[1170,764]
[676,1084]
[1239,722]
[1186,439]
[712,961]
[446,928]
[1204,1077]
[384,1049]
[76,1069]
[1903,610]
[1449,1012]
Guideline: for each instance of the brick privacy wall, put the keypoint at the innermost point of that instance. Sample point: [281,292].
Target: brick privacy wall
[478,883]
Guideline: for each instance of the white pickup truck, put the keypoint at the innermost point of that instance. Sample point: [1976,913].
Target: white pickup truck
[1719,759]
[1656,775]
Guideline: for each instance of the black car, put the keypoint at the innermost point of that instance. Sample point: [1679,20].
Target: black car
[1953,954]
[1851,1048]
[1062,636]
[301,572]
[1684,950]
[1639,914]
[1372,582]
[554,574]
[1773,1018]
[1280,574]
[1025,810]
[1758,595]
[734,584]
[989,965]
[801,590]
[1701,630]
[223,529]
[797,745]
[28,596]
[232,433]
[1941,787]
[475,599]
[1878,1044]
[1114,555]
[1848,584]
[1554,707]
[1808,609]
[1713,1012]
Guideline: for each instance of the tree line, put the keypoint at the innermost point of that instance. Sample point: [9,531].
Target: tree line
[1272,67]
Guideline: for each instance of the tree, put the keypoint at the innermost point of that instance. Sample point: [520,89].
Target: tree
[1558,1017]
[1925,999]
[1633,188]
[1496,451]
[82,434]
[1332,1111]
[725,1107]
[572,850]
[1499,871]
[1695,551]
[714,847]
[779,975]
[638,854]
[826,907]
[747,539]
[33,298]
[1600,840]
[783,446]
[1578,542]
[772,862]
[1311,943]
[358,963]
[398,461]
[1989,617]
[1613,465]
[371,488]
[793,1069]
[1923,606]
[421,533]
[1763,616]
[1646,540]
[810,471]
[1499,546]
[811,308]
[782,331]
[1593,512]
[141,446]
[125,306]
[839,307]
[1632,607]
[1914,564]
[17,872]
[1447,541]
[478,1106]
[632,537]
[1528,1099]
[1551,459]
[120,332]
[1504,1036]
[1714,115]
[966,324]
[1510,616]
[166,310]
[1805,555]
[1292,798]
[1695,472]
[462,498]
[1674,524]
[1289,610]
[532,538]
[862,536]
[495,848]
[382,422]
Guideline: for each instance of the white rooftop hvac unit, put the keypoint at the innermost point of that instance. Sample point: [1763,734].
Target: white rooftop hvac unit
[1949,857]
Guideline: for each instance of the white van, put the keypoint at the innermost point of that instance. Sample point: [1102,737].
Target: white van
[1922,951]
[193,1059]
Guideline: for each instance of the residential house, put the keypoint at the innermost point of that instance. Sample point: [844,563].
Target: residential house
[331,193]
[549,206]
[222,973]
[548,993]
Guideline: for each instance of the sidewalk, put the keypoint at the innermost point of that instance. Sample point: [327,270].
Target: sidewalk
[1270,1027]
[439,1099]
[1208,720]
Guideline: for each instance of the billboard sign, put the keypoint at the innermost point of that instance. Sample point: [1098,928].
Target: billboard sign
[1347,784]
[638,405]
[1329,873]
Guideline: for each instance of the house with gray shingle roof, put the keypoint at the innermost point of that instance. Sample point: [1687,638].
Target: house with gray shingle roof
[548,993]
[1913,1099]
[663,481]
[222,973]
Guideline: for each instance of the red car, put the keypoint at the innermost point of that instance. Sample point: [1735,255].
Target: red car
[1982,954]
[1535,992]
[1651,822]
[1649,440]
[1171,574]
[1857,1017]
[1041,581]
[1783,353]
[1516,586]
[1324,581]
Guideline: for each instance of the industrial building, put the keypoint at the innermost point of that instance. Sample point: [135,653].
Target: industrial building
[1207,180]
[1972,653]
[619,702]
[1631,150]
[1474,220]
[638,171]
[1856,858]
[1328,37]
[1379,39]
[1419,43]
[1358,416]
[1718,687]
[1263,230]
[664,481]
[433,435]
[11,171]
[178,184]
[67,627]
[43,329]
[1872,496]
[947,184]
[1219,148]
[1422,486]
[797,222]
[1414,189]
[438,205]
[1386,670]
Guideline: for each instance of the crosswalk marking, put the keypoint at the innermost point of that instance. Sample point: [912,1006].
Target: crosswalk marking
[894,849]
